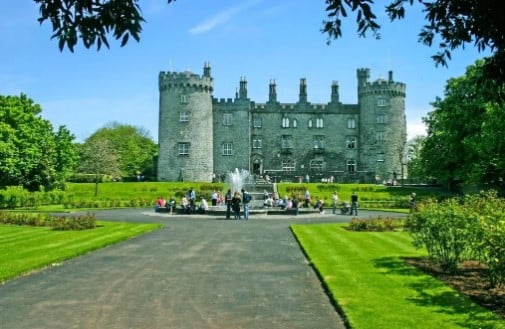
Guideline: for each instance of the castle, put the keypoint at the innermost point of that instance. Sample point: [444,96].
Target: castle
[202,137]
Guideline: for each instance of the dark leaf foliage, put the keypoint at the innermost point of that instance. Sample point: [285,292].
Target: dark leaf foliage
[92,21]
[450,24]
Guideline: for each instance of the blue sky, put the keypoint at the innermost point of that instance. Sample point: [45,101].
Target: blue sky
[258,39]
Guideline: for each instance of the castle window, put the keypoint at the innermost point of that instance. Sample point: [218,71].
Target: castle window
[256,143]
[285,122]
[257,122]
[380,157]
[295,123]
[183,117]
[286,142]
[227,149]
[288,165]
[309,123]
[184,99]
[381,118]
[316,165]
[227,119]
[319,123]
[351,142]
[381,102]
[351,166]
[380,135]
[351,123]
[318,142]
[183,149]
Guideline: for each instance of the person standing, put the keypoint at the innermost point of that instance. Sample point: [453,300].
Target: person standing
[227,199]
[412,202]
[354,204]
[246,199]
[334,201]
[307,199]
[214,198]
[235,205]
[192,199]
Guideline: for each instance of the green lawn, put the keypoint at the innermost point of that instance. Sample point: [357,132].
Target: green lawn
[365,275]
[23,249]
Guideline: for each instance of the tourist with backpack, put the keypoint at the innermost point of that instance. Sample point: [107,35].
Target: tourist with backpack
[246,199]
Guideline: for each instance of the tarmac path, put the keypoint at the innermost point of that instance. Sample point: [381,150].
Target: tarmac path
[196,272]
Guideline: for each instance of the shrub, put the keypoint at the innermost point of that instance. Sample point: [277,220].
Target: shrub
[489,236]
[445,229]
[75,223]
[81,222]
[377,224]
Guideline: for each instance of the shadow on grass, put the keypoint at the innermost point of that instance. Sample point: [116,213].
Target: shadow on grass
[434,294]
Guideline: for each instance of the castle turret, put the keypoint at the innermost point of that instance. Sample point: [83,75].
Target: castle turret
[383,129]
[363,76]
[185,126]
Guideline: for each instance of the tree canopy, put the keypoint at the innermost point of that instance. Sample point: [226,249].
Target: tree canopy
[31,153]
[132,146]
[466,141]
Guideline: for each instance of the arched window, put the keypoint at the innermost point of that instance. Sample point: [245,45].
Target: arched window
[319,123]
[295,123]
[351,123]
[309,123]
[285,122]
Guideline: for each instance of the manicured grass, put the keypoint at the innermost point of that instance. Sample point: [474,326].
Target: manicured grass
[367,278]
[23,249]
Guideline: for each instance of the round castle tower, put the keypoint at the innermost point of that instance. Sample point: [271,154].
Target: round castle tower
[185,126]
[383,128]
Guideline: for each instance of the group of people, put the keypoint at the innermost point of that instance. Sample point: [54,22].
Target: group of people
[273,200]
[345,207]
[238,203]
[188,204]
[235,202]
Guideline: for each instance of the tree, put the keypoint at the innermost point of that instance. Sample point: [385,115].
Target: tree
[133,147]
[27,145]
[98,157]
[67,155]
[414,162]
[465,135]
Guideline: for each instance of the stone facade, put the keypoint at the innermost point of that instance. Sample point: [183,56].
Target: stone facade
[201,137]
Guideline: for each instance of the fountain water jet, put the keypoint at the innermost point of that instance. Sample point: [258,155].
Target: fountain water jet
[237,179]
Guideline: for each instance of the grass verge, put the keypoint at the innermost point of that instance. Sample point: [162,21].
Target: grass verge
[24,249]
[365,275]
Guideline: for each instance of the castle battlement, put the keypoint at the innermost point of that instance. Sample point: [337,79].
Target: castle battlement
[383,87]
[188,81]
[222,101]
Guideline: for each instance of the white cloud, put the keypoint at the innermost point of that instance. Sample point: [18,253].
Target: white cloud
[415,128]
[221,18]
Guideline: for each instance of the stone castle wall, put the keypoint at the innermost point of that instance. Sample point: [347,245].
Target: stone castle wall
[283,140]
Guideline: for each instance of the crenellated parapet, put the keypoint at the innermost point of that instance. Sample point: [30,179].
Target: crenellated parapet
[185,81]
[383,87]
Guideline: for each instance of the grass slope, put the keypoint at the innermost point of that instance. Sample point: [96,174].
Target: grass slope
[24,249]
[365,275]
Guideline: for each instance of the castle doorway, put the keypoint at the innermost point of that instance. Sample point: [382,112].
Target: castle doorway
[256,167]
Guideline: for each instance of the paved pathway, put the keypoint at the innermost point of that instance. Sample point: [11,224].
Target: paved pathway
[197,272]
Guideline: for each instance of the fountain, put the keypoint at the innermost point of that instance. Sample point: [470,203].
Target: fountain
[237,179]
